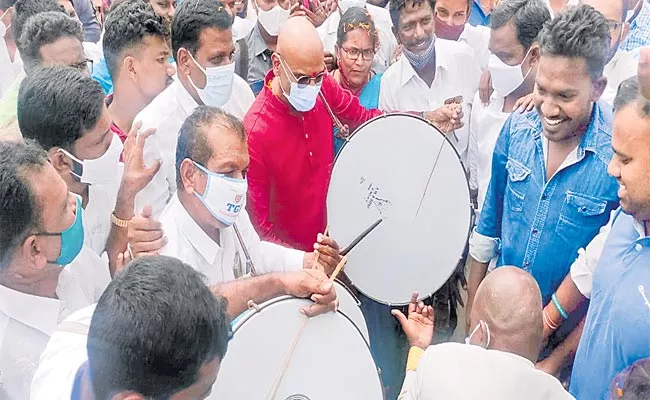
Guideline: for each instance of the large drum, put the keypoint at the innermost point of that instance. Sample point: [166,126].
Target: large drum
[351,307]
[401,169]
[277,353]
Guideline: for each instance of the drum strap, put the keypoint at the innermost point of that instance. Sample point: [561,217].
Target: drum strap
[287,359]
[344,131]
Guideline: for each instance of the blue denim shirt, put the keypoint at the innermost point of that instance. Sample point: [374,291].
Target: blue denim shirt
[540,225]
[477,17]
[617,330]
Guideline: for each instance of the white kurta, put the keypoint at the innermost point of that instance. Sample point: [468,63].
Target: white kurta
[166,113]
[478,39]
[457,74]
[621,67]
[466,372]
[225,261]
[26,321]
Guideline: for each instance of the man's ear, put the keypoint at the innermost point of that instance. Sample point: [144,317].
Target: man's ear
[597,88]
[61,163]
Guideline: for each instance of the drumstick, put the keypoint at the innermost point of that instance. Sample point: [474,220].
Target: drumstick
[361,237]
[338,268]
[315,264]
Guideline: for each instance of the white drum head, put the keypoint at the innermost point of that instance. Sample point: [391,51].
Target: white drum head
[330,342]
[349,305]
[400,168]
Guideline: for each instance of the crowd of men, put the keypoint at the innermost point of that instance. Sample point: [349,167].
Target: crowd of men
[163,163]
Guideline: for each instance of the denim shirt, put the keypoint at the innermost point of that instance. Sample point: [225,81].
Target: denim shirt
[539,225]
[477,16]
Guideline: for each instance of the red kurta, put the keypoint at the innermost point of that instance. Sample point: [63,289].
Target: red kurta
[291,158]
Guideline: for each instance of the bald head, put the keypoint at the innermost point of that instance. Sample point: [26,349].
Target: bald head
[510,302]
[300,46]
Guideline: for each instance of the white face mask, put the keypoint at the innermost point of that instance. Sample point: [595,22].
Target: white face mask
[99,171]
[218,83]
[273,19]
[303,99]
[487,329]
[506,78]
[223,197]
[345,5]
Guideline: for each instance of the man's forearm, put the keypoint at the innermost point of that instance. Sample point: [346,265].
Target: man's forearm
[477,272]
[566,350]
[118,237]
[258,288]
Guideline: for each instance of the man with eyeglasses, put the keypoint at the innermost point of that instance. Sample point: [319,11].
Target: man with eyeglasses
[46,38]
[621,64]
[203,49]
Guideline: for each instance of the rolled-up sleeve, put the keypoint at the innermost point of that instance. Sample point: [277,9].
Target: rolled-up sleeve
[582,269]
[483,248]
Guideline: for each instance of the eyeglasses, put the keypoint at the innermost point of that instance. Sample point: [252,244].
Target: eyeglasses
[82,65]
[304,80]
[613,25]
[353,54]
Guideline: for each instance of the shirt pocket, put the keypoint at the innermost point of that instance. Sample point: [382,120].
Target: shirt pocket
[580,217]
[517,184]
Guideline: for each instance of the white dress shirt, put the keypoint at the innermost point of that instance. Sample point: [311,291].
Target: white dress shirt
[9,70]
[484,127]
[467,372]
[26,321]
[218,262]
[568,4]
[166,113]
[64,354]
[478,39]
[457,74]
[621,67]
[387,42]
[97,213]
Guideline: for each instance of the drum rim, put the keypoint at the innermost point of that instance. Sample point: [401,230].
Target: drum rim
[470,206]
[256,310]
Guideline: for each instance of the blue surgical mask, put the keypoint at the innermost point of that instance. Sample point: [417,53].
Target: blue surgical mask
[223,197]
[72,239]
[418,61]
[218,83]
[303,99]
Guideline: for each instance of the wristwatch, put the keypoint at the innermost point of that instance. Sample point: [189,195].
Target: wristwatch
[121,223]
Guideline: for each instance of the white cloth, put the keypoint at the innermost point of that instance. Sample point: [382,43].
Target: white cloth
[466,372]
[62,357]
[621,67]
[568,4]
[97,214]
[478,39]
[484,127]
[190,244]
[166,113]
[241,27]
[9,70]
[457,74]
[387,42]
[93,51]
[582,269]
[26,321]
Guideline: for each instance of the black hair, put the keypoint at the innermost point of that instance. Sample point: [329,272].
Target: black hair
[153,328]
[42,29]
[6,4]
[396,7]
[20,211]
[353,18]
[193,142]
[581,32]
[527,16]
[126,27]
[25,9]
[57,104]
[192,17]
[629,93]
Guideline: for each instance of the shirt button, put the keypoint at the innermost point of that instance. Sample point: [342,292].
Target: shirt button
[535,231]
[306,136]
[310,154]
[526,264]
[638,247]
[544,197]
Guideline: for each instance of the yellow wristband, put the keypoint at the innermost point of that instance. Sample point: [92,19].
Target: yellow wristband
[121,223]
[415,353]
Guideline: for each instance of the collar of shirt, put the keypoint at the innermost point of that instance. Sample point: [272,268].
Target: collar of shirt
[41,313]
[258,45]
[183,97]
[594,140]
[193,232]
[408,73]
